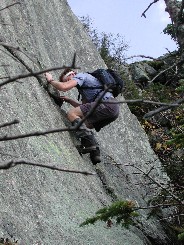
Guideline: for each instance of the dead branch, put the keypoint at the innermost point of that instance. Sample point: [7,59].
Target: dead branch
[5,24]
[142,56]
[31,74]
[10,5]
[9,123]
[36,133]
[98,101]
[164,108]
[164,205]
[157,183]
[171,217]
[4,77]
[143,14]
[14,163]
[141,101]
[10,46]
[9,55]
[160,73]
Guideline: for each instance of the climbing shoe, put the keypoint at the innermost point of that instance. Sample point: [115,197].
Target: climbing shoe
[83,150]
[95,156]
[88,142]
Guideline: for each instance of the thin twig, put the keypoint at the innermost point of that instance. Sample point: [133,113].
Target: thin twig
[141,101]
[36,133]
[10,5]
[5,24]
[142,56]
[21,76]
[4,77]
[158,184]
[14,163]
[56,130]
[164,205]
[160,73]
[7,45]
[9,123]
[12,57]
[143,14]
[164,108]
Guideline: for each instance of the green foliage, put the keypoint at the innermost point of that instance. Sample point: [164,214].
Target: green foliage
[178,132]
[170,30]
[92,32]
[111,46]
[157,65]
[131,90]
[180,88]
[122,211]
[158,92]
[178,138]
[181,236]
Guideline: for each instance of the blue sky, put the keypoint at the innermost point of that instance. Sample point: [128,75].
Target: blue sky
[144,35]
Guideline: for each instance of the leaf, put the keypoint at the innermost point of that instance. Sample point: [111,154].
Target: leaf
[158,146]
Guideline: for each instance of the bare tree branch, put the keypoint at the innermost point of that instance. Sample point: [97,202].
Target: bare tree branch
[163,205]
[158,110]
[98,101]
[157,183]
[10,5]
[175,64]
[36,133]
[4,77]
[10,46]
[15,55]
[9,56]
[14,163]
[142,56]
[5,24]
[21,76]
[9,123]
[143,14]
[141,101]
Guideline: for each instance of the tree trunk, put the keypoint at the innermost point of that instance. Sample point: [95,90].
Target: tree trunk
[175,10]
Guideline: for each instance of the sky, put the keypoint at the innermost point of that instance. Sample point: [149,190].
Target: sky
[144,35]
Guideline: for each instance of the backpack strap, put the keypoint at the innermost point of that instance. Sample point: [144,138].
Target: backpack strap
[84,87]
[79,95]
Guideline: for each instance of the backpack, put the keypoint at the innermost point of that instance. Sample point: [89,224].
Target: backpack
[109,78]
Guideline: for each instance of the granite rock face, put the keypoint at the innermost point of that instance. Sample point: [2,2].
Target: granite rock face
[44,206]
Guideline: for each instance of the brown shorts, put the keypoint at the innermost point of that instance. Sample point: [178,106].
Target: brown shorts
[104,114]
